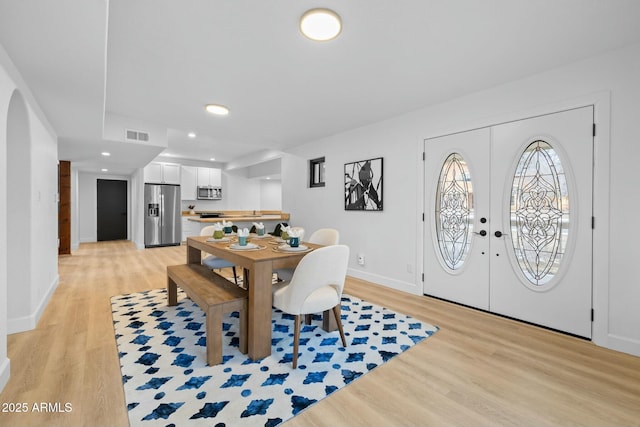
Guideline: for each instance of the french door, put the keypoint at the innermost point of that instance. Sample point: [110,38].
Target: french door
[508,219]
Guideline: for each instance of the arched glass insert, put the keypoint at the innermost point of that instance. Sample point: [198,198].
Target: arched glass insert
[539,213]
[454,211]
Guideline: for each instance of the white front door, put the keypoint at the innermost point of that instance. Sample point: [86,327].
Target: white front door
[539,240]
[457,243]
[541,266]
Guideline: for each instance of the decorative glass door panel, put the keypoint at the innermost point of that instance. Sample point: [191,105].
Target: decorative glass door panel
[540,217]
[454,211]
[517,239]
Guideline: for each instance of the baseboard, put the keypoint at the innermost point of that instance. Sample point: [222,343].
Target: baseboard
[5,371]
[27,323]
[623,344]
[399,285]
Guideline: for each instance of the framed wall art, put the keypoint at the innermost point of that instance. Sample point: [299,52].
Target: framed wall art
[363,185]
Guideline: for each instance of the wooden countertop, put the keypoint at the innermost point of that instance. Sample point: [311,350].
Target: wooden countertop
[257,218]
[239,216]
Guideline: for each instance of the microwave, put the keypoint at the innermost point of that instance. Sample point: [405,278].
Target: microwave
[209,193]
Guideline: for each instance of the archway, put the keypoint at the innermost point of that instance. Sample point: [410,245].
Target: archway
[18,215]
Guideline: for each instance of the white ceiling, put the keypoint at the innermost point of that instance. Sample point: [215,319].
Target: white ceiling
[158,62]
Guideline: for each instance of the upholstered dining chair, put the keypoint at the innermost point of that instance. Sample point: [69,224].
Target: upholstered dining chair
[213,262]
[278,229]
[322,236]
[316,286]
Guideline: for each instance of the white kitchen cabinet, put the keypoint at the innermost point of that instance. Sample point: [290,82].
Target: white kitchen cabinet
[188,183]
[153,173]
[209,177]
[171,173]
[162,173]
[189,228]
[216,177]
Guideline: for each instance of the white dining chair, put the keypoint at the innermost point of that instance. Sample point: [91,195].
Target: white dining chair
[316,286]
[322,236]
[213,262]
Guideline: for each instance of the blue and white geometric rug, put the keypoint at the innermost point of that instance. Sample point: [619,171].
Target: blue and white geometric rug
[167,382]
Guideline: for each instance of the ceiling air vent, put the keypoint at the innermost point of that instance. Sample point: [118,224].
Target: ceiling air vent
[136,135]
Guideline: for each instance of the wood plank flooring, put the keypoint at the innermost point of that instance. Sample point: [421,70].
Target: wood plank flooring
[478,370]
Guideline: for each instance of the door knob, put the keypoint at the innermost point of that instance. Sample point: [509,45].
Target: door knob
[498,234]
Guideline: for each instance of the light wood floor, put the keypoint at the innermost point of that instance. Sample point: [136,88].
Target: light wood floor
[478,370]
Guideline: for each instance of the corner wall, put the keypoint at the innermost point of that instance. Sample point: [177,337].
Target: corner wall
[400,140]
[42,196]
[7,88]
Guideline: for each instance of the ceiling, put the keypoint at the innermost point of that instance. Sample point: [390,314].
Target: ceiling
[154,64]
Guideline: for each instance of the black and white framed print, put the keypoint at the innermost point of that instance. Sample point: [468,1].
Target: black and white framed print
[363,185]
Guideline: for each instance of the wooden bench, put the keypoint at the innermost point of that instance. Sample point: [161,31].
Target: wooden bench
[215,295]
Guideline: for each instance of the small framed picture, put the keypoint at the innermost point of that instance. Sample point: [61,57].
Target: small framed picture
[363,185]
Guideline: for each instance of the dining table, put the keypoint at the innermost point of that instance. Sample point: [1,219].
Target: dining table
[258,262]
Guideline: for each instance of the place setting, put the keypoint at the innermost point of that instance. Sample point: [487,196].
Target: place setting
[290,242]
[258,231]
[222,233]
[243,244]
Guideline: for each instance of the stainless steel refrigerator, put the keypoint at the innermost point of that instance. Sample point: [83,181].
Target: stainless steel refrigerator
[162,219]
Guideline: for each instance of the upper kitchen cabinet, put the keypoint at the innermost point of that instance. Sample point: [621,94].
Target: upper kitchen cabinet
[162,173]
[189,182]
[209,177]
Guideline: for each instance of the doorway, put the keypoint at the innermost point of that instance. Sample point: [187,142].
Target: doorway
[508,219]
[112,210]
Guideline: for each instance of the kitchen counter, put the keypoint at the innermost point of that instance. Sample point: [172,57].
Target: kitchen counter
[238,216]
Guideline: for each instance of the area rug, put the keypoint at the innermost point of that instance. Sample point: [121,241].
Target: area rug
[167,382]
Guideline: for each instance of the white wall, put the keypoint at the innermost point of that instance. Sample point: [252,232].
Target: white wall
[400,140]
[270,195]
[19,196]
[239,193]
[42,228]
[136,215]
[7,87]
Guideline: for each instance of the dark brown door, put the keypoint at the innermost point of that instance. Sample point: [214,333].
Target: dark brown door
[64,207]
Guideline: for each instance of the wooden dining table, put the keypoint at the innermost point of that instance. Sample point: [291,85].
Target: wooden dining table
[258,266]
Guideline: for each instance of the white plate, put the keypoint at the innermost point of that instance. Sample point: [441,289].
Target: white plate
[249,246]
[264,236]
[220,240]
[287,248]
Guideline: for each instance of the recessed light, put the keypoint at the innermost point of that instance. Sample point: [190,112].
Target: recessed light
[191,134]
[105,170]
[212,159]
[106,153]
[219,110]
[320,24]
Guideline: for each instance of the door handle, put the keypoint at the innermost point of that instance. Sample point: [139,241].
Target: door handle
[498,234]
[481,232]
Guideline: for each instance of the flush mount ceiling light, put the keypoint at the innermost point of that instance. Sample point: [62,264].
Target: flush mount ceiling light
[219,110]
[191,135]
[105,153]
[320,24]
